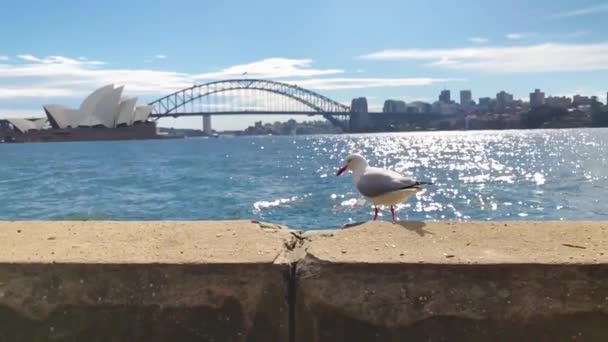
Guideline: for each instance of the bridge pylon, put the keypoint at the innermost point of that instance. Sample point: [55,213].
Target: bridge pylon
[207,124]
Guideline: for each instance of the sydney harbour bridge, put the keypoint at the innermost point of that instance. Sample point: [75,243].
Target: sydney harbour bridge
[258,97]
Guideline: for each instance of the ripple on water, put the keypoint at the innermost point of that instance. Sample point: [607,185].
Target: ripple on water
[503,175]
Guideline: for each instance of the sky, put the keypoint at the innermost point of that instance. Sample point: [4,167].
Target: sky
[55,52]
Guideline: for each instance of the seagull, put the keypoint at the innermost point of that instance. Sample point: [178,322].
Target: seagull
[380,186]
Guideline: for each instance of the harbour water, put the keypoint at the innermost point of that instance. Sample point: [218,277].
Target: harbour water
[482,175]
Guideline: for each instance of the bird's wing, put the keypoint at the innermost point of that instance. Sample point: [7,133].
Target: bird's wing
[375,182]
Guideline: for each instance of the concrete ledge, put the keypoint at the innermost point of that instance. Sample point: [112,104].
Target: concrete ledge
[455,281]
[249,281]
[142,281]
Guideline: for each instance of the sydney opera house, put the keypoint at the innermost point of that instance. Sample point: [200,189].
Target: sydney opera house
[103,115]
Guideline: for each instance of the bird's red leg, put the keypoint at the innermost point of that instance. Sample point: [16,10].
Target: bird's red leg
[375,213]
[393,213]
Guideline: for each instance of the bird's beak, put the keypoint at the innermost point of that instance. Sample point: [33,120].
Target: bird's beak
[341,170]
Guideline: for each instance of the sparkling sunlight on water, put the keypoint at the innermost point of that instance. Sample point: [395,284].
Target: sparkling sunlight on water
[486,175]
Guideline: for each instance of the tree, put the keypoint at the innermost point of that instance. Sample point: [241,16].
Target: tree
[599,115]
[536,117]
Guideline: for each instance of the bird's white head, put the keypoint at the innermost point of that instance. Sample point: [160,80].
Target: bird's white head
[354,162]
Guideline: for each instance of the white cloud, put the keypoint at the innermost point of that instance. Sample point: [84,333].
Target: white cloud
[160,56]
[519,36]
[548,57]
[361,83]
[28,58]
[20,113]
[34,92]
[62,77]
[57,60]
[57,76]
[478,40]
[582,11]
[270,68]
[4,58]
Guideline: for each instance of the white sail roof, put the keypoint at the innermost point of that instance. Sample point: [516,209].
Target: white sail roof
[25,125]
[104,107]
[61,116]
[142,113]
[126,112]
[90,102]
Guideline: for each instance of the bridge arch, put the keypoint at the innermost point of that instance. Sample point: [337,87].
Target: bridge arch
[175,104]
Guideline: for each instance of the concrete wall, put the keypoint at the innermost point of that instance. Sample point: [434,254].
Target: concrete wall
[250,281]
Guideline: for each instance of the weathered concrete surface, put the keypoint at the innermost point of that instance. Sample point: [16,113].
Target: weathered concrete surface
[143,281]
[107,242]
[454,281]
[246,281]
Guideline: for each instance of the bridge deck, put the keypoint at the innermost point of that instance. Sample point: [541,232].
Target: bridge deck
[156,115]
[242,113]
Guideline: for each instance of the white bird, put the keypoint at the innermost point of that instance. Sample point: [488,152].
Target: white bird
[380,186]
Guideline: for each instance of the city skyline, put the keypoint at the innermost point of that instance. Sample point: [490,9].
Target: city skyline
[402,50]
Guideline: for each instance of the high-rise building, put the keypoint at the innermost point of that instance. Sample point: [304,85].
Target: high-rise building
[421,107]
[466,97]
[484,103]
[537,98]
[559,102]
[445,96]
[503,100]
[580,100]
[394,106]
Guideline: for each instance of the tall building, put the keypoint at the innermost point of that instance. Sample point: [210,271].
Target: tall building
[559,102]
[394,106]
[503,100]
[445,96]
[580,100]
[466,97]
[485,102]
[537,98]
[421,107]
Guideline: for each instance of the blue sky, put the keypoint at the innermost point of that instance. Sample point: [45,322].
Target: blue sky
[57,51]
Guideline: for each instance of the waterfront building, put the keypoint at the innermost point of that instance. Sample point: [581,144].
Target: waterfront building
[558,102]
[580,100]
[445,96]
[104,107]
[394,106]
[503,101]
[466,97]
[421,107]
[103,115]
[537,98]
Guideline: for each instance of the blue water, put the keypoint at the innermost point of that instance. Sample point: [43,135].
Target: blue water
[486,175]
